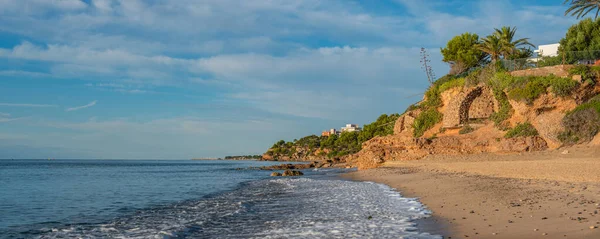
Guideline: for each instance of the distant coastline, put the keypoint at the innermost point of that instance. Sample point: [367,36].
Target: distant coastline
[237,157]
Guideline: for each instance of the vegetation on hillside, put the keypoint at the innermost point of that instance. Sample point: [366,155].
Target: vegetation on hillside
[461,53]
[582,42]
[429,115]
[237,157]
[589,74]
[334,145]
[582,123]
[522,130]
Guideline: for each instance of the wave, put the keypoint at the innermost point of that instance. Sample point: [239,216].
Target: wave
[274,208]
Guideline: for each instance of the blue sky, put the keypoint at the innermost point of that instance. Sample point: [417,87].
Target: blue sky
[176,79]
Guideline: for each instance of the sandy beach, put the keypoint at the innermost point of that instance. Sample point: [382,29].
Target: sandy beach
[551,194]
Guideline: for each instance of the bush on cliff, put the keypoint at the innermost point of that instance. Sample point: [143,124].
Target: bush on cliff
[522,130]
[426,120]
[384,125]
[504,110]
[458,82]
[589,74]
[531,87]
[433,99]
[582,123]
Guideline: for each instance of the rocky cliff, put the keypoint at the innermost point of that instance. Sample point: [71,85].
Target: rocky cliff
[492,112]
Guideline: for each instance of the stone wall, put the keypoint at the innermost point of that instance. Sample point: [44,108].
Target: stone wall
[560,71]
[483,106]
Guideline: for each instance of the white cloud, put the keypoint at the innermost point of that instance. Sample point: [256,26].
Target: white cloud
[6,119]
[103,5]
[17,73]
[27,105]
[82,107]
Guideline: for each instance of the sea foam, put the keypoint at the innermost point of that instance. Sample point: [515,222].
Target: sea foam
[274,208]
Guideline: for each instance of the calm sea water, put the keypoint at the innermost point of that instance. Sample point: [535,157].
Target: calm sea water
[193,199]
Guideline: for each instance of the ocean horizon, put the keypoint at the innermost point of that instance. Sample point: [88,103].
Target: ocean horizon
[194,199]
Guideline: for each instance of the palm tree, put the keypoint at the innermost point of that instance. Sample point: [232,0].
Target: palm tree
[492,45]
[510,46]
[582,7]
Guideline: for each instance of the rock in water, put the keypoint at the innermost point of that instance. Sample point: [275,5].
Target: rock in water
[288,172]
[275,174]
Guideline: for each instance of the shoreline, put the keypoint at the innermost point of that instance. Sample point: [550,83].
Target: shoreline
[534,195]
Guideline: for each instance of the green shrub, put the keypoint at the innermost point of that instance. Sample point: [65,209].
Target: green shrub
[458,82]
[549,61]
[593,103]
[528,92]
[501,81]
[466,129]
[426,120]
[582,123]
[472,78]
[530,88]
[522,130]
[561,86]
[589,74]
[504,110]
[580,70]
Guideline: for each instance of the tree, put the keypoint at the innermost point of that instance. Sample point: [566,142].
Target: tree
[384,125]
[582,41]
[492,45]
[582,7]
[461,53]
[510,46]
[521,53]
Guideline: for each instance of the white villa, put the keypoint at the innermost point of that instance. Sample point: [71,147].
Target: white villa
[547,50]
[351,128]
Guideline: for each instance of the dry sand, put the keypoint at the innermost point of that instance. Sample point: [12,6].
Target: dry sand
[551,194]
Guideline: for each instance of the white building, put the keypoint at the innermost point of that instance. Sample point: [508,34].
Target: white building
[351,128]
[547,50]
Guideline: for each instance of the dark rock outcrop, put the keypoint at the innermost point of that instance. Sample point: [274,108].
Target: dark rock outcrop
[288,173]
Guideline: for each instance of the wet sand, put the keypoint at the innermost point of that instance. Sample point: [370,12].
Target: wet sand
[554,194]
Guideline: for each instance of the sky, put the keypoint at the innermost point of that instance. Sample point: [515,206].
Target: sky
[180,79]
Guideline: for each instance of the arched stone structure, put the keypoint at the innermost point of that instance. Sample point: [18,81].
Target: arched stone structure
[465,104]
[471,103]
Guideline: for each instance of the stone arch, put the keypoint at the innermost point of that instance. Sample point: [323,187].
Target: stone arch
[466,103]
[471,103]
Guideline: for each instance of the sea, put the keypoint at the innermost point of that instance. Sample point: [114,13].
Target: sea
[195,199]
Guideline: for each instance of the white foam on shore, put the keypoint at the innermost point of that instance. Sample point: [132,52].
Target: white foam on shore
[277,208]
[345,209]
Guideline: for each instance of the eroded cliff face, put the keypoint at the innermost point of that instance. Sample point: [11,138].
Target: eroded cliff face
[473,106]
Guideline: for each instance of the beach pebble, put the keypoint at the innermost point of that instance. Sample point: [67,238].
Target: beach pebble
[593,227]
[544,234]
[565,152]
[535,230]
